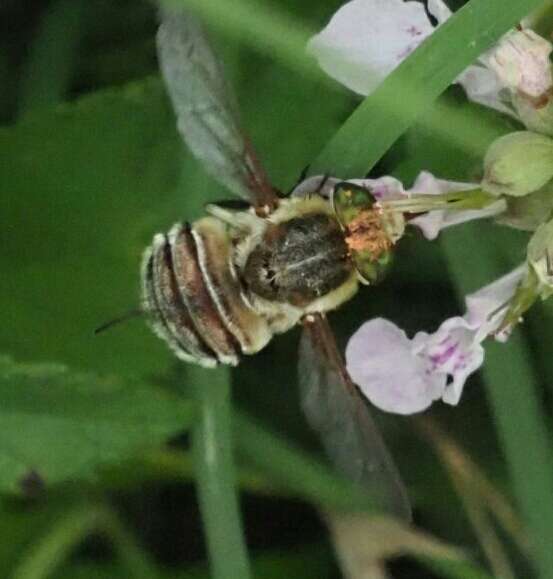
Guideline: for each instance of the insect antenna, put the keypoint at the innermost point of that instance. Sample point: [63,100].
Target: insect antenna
[302,177]
[134,313]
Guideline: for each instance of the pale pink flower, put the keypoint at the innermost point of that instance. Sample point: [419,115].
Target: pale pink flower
[402,375]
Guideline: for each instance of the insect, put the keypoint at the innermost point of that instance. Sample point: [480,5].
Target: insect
[224,285]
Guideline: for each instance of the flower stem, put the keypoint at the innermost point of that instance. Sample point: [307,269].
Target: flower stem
[215,475]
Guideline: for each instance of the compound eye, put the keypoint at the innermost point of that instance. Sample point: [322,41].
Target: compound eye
[369,245]
[349,200]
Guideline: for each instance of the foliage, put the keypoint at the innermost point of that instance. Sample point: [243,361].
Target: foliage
[92,167]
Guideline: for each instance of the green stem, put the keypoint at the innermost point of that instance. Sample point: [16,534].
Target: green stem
[47,73]
[215,474]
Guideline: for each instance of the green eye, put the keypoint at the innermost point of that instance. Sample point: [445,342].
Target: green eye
[369,245]
[348,200]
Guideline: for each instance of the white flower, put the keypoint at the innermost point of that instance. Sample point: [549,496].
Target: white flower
[366,39]
[404,376]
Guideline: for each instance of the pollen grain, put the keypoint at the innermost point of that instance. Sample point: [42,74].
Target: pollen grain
[365,233]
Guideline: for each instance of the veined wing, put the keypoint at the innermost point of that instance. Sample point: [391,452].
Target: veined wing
[334,407]
[207,114]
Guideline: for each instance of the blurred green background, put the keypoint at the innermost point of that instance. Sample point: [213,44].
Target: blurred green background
[91,167]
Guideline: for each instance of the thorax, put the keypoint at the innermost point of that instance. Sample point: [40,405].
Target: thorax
[294,262]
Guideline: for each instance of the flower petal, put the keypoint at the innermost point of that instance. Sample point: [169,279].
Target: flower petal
[483,87]
[381,361]
[426,183]
[434,221]
[366,39]
[405,376]
[321,184]
[521,62]
[454,352]
[383,189]
[439,10]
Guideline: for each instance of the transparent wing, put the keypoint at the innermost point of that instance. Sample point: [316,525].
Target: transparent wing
[335,408]
[207,116]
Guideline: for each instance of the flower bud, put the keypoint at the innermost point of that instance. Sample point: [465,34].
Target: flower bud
[518,163]
[528,212]
[521,62]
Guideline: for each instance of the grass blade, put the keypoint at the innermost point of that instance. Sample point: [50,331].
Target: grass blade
[42,557]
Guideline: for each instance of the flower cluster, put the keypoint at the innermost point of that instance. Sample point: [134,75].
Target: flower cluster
[363,42]
[366,39]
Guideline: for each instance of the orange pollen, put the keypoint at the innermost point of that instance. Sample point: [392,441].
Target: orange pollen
[365,233]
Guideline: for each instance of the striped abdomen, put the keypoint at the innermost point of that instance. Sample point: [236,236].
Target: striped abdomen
[190,286]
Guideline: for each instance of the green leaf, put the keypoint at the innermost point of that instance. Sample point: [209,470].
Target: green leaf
[58,425]
[410,90]
[84,187]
